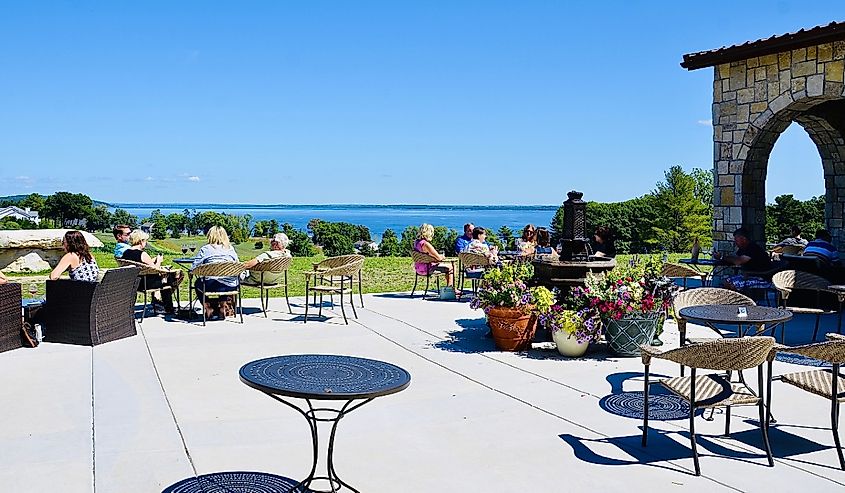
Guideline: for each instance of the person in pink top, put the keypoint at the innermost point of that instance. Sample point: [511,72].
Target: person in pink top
[423,245]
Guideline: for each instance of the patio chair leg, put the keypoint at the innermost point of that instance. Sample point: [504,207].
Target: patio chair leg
[342,310]
[645,408]
[203,307]
[682,327]
[305,320]
[287,299]
[692,423]
[241,304]
[763,416]
[816,328]
[416,277]
[355,312]
[727,421]
[427,280]
[144,308]
[320,310]
[834,414]
[360,291]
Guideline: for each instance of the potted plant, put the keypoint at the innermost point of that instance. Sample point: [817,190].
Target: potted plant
[631,301]
[572,330]
[510,305]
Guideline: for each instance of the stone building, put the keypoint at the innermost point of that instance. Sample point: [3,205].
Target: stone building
[759,89]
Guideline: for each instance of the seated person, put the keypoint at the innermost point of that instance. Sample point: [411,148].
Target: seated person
[77,260]
[3,279]
[138,240]
[544,243]
[749,256]
[278,249]
[218,249]
[822,247]
[480,246]
[603,243]
[423,245]
[527,242]
[121,234]
[463,241]
[794,238]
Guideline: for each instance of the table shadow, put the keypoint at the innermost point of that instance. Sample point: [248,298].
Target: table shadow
[234,482]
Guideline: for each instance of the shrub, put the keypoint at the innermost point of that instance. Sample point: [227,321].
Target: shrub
[336,244]
[300,244]
[259,245]
[389,244]
[367,250]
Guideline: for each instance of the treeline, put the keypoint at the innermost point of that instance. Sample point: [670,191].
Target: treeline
[671,217]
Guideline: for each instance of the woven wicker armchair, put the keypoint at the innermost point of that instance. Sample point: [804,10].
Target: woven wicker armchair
[424,258]
[275,266]
[683,272]
[91,313]
[472,267]
[790,282]
[218,269]
[715,390]
[342,274]
[340,261]
[149,291]
[11,323]
[822,382]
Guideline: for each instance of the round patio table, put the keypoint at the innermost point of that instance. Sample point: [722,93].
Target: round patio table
[351,381]
[757,316]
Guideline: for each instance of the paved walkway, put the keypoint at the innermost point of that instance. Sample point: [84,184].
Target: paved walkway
[143,413]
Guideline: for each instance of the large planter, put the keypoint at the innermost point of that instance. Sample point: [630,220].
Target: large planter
[512,329]
[626,335]
[568,345]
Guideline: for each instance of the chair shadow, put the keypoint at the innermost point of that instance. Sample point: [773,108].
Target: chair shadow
[234,481]
[663,404]
[472,338]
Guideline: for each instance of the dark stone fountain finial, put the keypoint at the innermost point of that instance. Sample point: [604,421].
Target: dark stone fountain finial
[574,240]
[575,196]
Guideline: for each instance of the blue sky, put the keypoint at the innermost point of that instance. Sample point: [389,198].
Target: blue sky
[459,102]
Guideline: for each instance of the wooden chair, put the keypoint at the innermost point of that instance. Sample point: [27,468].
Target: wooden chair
[829,384]
[715,390]
[472,267]
[788,282]
[683,272]
[275,266]
[339,261]
[343,274]
[219,269]
[149,270]
[424,258]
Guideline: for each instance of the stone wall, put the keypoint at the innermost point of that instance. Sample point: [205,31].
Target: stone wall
[754,101]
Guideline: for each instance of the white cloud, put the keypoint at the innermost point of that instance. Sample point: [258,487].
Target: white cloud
[706,123]
[149,178]
[193,178]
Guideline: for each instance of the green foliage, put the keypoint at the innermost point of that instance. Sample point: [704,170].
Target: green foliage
[300,244]
[367,250]
[507,237]
[177,224]
[492,239]
[272,228]
[787,211]
[443,240]
[98,218]
[507,286]
[8,223]
[34,201]
[682,216]
[121,216]
[389,246]
[335,244]
[321,229]
[259,229]
[409,236]
[67,208]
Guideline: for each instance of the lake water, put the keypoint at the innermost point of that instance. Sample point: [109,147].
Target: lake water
[377,218]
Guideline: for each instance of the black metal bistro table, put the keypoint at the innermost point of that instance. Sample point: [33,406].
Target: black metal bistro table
[351,381]
[186,263]
[757,316]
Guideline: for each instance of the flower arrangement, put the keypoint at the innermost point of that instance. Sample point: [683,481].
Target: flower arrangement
[507,287]
[632,289]
[583,324]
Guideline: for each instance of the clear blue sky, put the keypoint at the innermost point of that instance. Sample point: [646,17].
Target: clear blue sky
[464,102]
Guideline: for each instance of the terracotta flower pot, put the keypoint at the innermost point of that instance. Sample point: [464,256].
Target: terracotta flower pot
[512,329]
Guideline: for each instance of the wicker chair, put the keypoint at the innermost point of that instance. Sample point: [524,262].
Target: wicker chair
[787,282]
[343,274]
[472,266]
[11,323]
[218,269]
[822,382]
[275,266]
[149,270]
[340,261]
[424,258]
[683,272]
[714,390]
[91,313]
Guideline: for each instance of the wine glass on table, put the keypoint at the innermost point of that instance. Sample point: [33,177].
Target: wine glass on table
[33,289]
[193,248]
[184,249]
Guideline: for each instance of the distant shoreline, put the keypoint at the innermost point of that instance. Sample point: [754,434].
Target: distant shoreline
[162,205]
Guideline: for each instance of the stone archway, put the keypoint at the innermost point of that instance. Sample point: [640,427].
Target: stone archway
[759,89]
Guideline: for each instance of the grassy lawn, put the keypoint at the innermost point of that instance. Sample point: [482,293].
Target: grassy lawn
[381,274]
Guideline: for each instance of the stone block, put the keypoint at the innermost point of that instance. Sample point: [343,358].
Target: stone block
[780,103]
[745,95]
[723,71]
[717,132]
[833,71]
[760,91]
[35,249]
[736,215]
[743,114]
[727,108]
[749,78]
[726,86]
[724,151]
[838,50]
[769,59]
[839,180]
[784,60]
[735,167]
[722,167]
[815,85]
[833,88]
[752,62]
[802,69]
[737,81]
[760,73]
[825,52]
[738,184]
[799,55]
[726,196]
[757,108]
[811,53]
[784,78]
[726,180]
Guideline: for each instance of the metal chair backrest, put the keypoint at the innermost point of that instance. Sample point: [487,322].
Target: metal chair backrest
[473,260]
[710,296]
[423,258]
[274,265]
[679,270]
[832,351]
[787,280]
[724,354]
[345,270]
[145,269]
[218,269]
[341,260]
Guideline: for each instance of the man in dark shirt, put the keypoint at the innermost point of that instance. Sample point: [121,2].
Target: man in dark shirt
[750,257]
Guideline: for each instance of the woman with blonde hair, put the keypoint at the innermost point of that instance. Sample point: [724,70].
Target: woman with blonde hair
[135,253]
[423,245]
[218,249]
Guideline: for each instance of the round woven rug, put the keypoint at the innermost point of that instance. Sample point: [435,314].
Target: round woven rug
[234,482]
[662,407]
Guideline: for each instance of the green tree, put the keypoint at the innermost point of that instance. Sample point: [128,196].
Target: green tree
[67,208]
[389,246]
[335,244]
[787,211]
[259,229]
[493,240]
[409,236]
[300,243]
[98,218]
[34,201]
[681,215]
[272,227]
[177,223]
[121,216]
[507,237]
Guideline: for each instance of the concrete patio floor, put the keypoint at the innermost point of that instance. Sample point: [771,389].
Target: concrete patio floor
[140,414]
